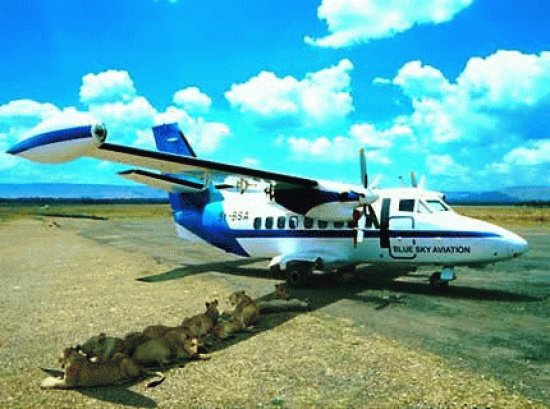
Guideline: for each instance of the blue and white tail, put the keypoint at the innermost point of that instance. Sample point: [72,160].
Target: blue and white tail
[169,138]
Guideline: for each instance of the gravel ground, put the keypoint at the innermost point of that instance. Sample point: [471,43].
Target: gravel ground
[59,288]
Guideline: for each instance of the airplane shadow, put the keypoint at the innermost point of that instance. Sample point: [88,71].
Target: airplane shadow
[229,267]
[331,289]
[74,216]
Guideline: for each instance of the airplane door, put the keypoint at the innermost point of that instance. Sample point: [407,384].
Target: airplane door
[396,233]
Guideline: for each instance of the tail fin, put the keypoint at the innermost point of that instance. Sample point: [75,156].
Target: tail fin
[169,138]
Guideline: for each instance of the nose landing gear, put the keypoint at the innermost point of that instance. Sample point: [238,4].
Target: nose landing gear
[439,281]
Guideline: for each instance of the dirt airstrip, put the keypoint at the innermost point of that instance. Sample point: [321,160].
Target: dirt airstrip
[379,340]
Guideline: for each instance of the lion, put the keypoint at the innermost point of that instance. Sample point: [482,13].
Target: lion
[176,344]
[101,348]
[201,324]
[132,340]
[226,328]
[80,372]
[156,331]
[281,292]
[246,310]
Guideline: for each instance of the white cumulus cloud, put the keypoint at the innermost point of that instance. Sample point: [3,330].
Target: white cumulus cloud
[107,87]
[444,165]
[319,98]
[376,141]
[110,97]
[351,22]
[537,153]
[483,104]
[192,99]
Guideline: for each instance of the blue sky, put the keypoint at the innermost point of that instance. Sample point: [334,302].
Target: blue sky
[456,90]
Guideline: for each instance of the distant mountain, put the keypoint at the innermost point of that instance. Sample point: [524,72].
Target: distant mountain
[508,195]
[132,192]
[74,191]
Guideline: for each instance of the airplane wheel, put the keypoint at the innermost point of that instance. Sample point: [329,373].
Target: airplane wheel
[297,276]
[436,283]
[276,271]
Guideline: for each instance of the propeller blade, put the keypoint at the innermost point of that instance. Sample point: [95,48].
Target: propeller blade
[414,182]
[363,164]
[376,181]
[422,182]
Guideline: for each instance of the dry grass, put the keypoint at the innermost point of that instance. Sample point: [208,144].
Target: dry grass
[99,211]
[509,216]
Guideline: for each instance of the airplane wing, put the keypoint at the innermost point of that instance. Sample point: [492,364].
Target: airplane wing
[321,199]
[89,141]
[170,163]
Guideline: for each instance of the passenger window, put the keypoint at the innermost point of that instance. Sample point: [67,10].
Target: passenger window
[322,224]
[281,222]
[258,223]
[338,225]
[308,222]
[269,222]
[293,222]
[406,205]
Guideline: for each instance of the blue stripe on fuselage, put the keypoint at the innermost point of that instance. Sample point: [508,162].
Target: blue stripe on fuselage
[217,232]
[199,213]
[48,138]
[366,233]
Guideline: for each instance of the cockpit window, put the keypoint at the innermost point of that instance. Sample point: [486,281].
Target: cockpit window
[437,206]
[406,205]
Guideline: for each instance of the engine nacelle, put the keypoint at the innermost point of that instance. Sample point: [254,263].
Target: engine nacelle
[333,211]
[326,202]
[61,145]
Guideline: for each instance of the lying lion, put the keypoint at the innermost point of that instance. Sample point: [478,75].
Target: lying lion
[80,372]
[281,292]
[176,343]
[246,310]
[101,348]
[226,328]
[201,324]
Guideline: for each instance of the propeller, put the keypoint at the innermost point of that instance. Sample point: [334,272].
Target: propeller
[363,166]
[414,182]
[367,209]
[419,184]
[270,191]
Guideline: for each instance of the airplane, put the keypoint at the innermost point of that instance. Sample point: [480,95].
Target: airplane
[305,226]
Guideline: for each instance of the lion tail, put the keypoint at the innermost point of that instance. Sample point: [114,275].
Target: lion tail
[52,382]
[157,382]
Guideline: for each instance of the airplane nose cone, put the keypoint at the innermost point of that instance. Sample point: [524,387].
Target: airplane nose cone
[519,246]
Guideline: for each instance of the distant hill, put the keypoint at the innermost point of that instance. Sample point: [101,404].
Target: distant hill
[136,192]
[505,196]
[74,191]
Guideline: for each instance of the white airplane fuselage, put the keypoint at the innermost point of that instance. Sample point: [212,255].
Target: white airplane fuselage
[250,224]
[302,224]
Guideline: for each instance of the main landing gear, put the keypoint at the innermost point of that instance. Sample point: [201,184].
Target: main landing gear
[298,274]
[439,280]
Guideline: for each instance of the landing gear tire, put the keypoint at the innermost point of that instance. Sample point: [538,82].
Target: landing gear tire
[437,284]
[297,276]
[345,274]
[276,271]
